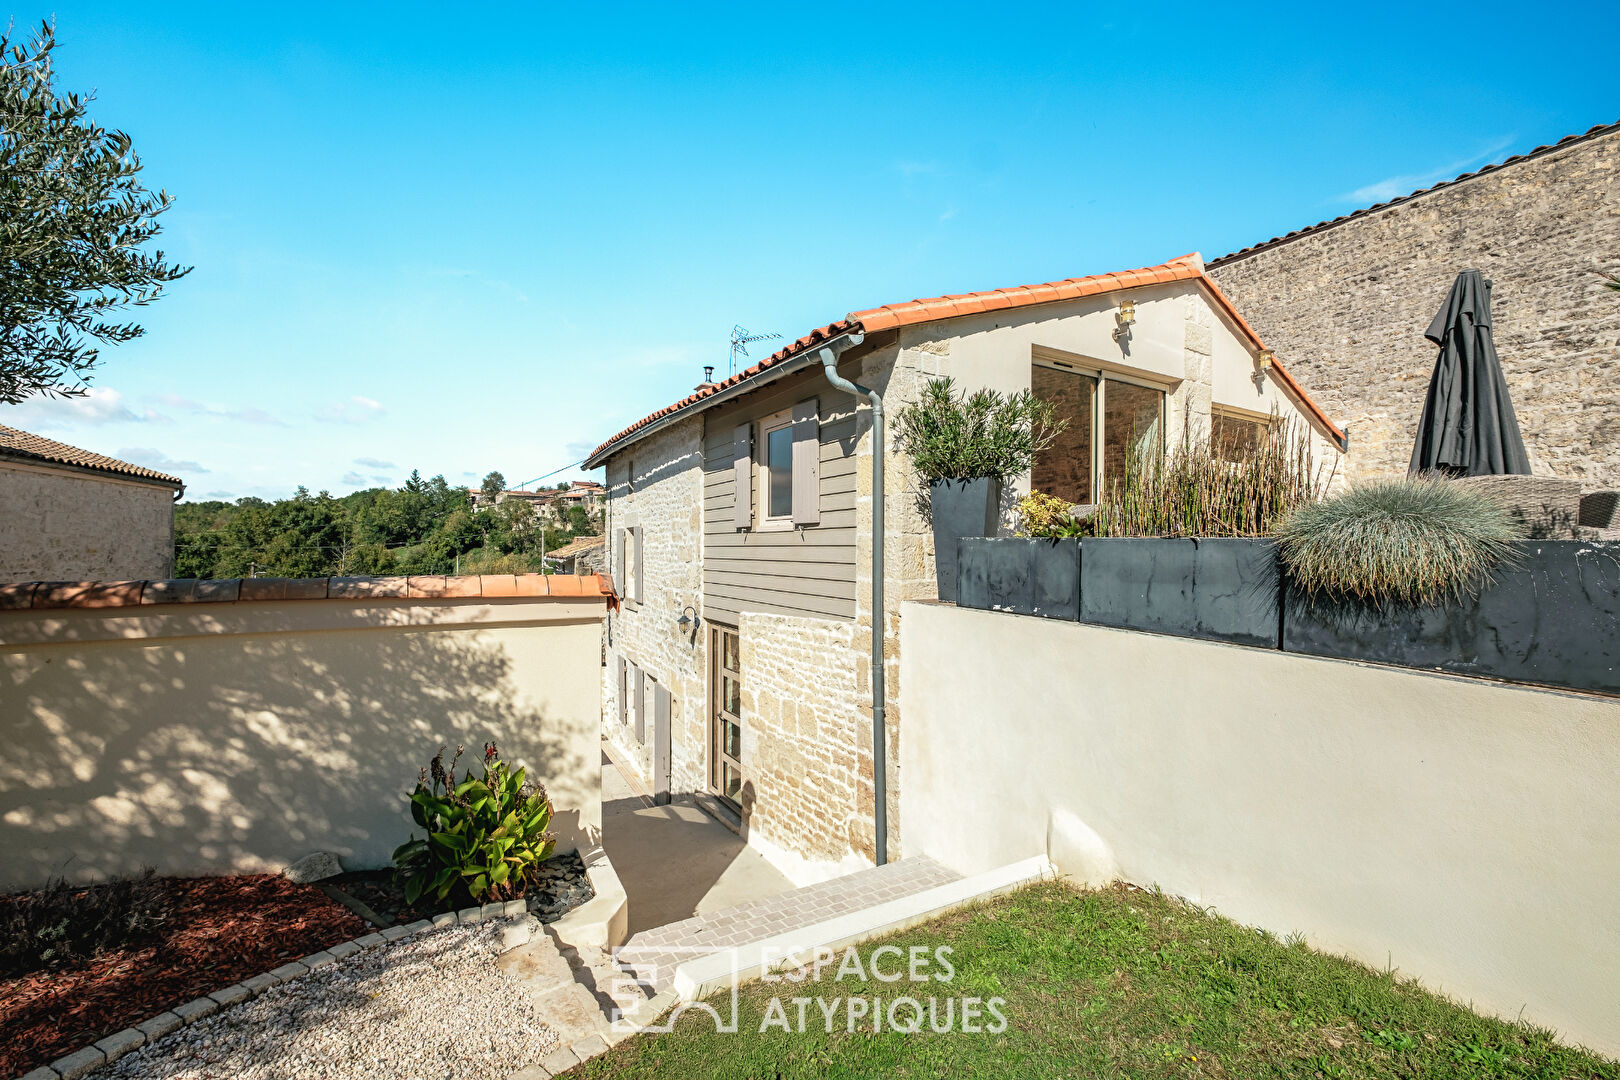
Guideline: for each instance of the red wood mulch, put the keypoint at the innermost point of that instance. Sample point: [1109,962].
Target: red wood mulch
[221,930]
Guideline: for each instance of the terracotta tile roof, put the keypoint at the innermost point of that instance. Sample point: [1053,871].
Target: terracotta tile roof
[574,547]
[1596,132]
[20,444]
[53,595]
[1186,268]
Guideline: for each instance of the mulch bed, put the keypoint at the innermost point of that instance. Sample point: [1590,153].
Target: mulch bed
[221,930]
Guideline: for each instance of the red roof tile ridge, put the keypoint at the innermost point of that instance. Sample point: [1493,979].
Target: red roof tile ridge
[66,595]
[1188,267]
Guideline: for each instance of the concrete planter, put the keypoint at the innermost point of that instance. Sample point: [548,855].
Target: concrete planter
[1020,575]
[960,508]
[1554,618]
[1221,588]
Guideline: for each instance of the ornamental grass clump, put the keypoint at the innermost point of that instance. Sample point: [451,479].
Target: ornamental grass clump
[952,436]
[67,926]
[1417,541]
[1196,491]
[486,836]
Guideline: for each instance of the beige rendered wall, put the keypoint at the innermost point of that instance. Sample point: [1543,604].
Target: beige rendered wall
[67,525]
[1464,831]
[220,738]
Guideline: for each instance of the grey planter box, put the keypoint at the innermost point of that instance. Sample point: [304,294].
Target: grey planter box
[959,508]
[1020,575]
[1553,619]
[1221,589]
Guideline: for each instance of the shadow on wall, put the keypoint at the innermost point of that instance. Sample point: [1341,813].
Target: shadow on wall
[238,754]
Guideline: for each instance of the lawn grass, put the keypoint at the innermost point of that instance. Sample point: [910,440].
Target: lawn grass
[1110,983]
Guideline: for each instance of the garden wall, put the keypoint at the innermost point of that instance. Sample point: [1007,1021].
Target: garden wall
[1461,830]
[225,735]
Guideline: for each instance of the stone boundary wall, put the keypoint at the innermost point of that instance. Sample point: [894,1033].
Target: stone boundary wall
[1345,305]
[215,737]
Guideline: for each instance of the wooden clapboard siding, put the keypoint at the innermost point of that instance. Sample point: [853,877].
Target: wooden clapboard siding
[808,571]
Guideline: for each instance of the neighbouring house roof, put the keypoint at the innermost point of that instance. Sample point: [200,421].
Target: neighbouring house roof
[20,445]
[889,316]
[577,547]
[1562,144]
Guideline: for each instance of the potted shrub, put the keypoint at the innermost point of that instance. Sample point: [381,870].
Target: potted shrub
[1429,573]
[964,446]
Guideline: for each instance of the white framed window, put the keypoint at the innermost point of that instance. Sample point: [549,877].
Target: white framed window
[776,471]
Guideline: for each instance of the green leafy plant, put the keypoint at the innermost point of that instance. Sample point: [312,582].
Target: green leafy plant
[1414,541]
[960,436]
[66,926]
[1196,490]
[1048,517]
[486,836]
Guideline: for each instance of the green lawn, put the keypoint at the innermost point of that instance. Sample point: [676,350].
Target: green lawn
[1113,983]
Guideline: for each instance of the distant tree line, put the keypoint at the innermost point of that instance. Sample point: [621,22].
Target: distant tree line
[424,527]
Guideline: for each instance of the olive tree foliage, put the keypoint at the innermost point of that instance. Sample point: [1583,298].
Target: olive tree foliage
[74,219]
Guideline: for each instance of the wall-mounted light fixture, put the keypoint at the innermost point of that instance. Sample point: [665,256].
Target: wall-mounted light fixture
[1124,317]
[687,625]
[1262,364]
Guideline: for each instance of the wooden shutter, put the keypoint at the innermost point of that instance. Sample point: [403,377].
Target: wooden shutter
[661,749]
[641,566]
[641,706]
[618,564]
[624,689]
[806,463]
[742,475]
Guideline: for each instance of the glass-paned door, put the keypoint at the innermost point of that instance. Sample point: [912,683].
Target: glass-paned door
[725,725]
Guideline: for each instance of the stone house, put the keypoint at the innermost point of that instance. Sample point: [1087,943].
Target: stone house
[739,529]
[68,514]
[1348,300]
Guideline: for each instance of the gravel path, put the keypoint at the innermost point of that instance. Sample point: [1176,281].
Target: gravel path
[430,1007]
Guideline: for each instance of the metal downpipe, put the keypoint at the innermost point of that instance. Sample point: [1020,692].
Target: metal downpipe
[880,740]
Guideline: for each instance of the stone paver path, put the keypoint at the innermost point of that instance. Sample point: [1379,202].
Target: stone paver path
[653,954]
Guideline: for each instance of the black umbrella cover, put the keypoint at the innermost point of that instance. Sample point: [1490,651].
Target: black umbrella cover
[1468,426]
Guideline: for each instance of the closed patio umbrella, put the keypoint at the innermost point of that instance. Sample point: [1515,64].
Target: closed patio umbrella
[1468,427]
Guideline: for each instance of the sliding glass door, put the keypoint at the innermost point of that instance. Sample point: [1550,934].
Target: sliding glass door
[1128,415]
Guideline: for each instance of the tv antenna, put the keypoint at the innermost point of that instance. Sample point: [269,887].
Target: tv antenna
[741,339]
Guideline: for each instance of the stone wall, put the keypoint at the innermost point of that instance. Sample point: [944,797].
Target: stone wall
[66,525]
[665,500]
[1345,307]
[803,724]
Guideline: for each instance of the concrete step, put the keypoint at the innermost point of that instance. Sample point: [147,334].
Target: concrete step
[652,955]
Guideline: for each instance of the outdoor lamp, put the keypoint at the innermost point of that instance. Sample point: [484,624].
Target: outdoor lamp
[1127,312]
[1266,357]
[688,624]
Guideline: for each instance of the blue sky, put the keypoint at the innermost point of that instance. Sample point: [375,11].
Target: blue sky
[456,239]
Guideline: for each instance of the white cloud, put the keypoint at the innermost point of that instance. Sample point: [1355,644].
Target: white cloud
[374,463]
[249,415]
[357,410]
[354,479]
[157,459]
[1394,187]
[98,405]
